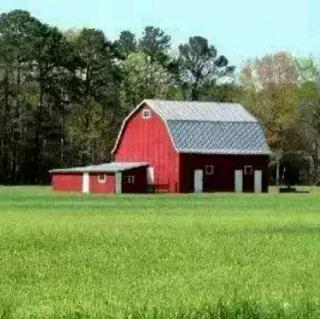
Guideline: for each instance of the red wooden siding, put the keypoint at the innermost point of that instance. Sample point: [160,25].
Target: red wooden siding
[73,182]
[140,180]
[67,182]
[148,140]
[107,187]
[224,167]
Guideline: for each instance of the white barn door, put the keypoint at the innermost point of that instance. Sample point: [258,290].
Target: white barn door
[198,181]
[257,181]
[85,183]
[238,181]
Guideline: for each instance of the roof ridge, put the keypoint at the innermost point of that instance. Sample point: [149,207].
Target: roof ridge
[190,101]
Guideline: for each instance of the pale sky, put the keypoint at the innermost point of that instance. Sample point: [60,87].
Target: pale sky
[240,29]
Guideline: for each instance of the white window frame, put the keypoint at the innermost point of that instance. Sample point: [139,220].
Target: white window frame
[209,169]
[102,180]
[246,168]
[146,114]
[130,179]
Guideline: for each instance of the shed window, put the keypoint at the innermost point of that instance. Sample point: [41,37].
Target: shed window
[248,170]
[146,114]
[130,179]
[102,178]
[209,169]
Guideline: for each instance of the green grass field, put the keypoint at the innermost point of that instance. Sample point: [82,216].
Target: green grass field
[158,256]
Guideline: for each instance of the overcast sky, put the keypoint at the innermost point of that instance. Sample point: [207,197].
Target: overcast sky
[239,29]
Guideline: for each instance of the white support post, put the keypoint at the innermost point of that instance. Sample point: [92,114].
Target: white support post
[238,181]
[118,183]
[198,181]
[257,181]
[85,183]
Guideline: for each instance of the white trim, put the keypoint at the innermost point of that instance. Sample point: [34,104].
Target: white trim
[131,114]
[238,181]
[103,179]
[85,183]
[258,181]
[150,175]
[130,179]
[146,114]
[222,152]
[198,181]
[118,183]
[248,167]
[209,170]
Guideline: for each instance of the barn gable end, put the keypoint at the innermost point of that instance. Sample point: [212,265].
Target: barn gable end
[145,137]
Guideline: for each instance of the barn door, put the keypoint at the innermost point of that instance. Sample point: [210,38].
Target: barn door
[85,183]
[198,181]
[238,181]
[257,181]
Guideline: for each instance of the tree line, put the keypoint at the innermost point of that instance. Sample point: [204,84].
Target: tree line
[63,95]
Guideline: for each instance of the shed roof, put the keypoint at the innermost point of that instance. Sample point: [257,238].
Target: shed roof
[209,127]
[112,167]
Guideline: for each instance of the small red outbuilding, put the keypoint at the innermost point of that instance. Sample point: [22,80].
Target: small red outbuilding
[105,178]
[180,147]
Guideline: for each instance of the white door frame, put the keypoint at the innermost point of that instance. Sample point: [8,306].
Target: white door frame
[150,175]
[258,181]
[118,183]
[85,183]
[198,181]
[238,181]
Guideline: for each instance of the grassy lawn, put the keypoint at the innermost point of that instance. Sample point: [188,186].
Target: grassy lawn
[158,256]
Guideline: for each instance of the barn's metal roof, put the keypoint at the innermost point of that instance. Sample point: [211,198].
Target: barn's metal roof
[200,111]
[208,127]
[218,137]
[112,167]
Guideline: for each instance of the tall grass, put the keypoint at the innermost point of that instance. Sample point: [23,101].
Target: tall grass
[205,256]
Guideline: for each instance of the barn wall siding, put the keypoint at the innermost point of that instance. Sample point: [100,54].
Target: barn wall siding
[67,182]
[224,167]
[148,140]
[107,187]
[140,180]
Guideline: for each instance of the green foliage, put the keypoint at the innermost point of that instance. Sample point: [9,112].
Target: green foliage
[200,64]
[155,43]
[126,44]
[143,79]
[157,256]
[63,96]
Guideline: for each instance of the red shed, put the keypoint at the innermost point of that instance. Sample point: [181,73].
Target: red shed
[105,178]
[179,147]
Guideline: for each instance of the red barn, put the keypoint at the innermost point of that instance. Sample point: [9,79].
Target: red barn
[183,147]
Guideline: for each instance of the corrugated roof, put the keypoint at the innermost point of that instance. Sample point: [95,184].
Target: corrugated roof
[112,167]
[200,111]
[218,137]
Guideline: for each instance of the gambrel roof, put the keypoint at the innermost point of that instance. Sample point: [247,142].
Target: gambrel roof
[208,127]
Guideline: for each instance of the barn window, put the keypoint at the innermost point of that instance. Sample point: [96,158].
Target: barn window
[209,169]
[146,114]
[248,170]
[102,178]
[130,179]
